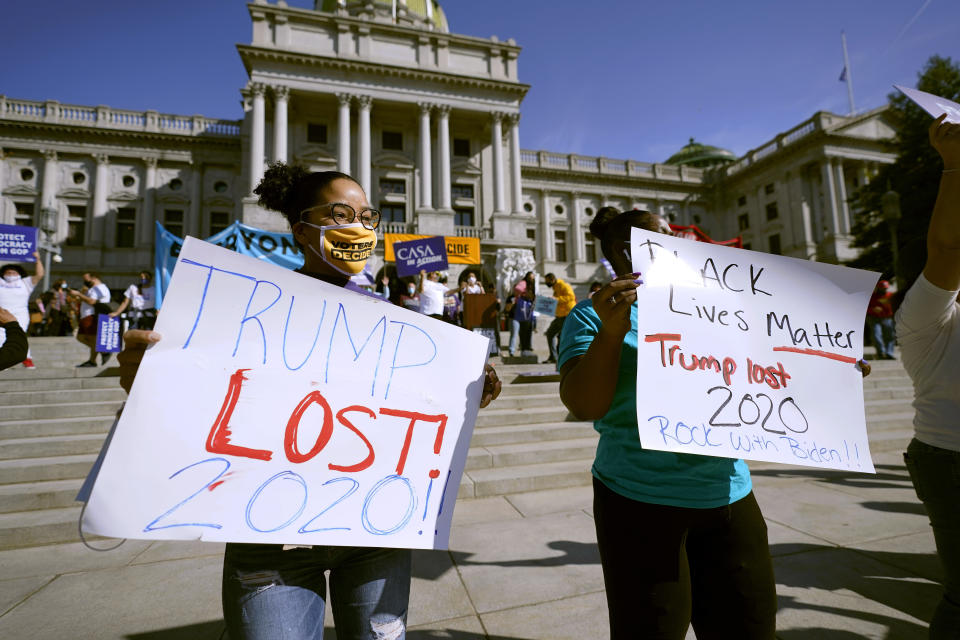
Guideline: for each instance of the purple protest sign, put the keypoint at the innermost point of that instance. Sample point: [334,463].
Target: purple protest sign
[108,334]
[17,244]
[414,255]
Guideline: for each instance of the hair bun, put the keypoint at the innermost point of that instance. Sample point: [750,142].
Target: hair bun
[277,189]
[600,222]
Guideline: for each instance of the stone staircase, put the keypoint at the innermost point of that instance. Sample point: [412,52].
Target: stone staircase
[53,421]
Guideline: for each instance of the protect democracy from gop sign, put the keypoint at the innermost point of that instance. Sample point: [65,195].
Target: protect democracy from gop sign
[280,409]
[17,244]
[743,354]
[414,255]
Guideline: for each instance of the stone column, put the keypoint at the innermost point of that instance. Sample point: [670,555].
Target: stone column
[546,233]
[496,142]
[99,234]
[149,213]
[516,183]
[343,134]
[843,207]
[280,97]
[578,249]
[256,135]
[48,190]
[443,140]
[426,179]
[363,133]
[192,224]
[830,196]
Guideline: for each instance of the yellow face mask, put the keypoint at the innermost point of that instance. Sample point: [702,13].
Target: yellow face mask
[345,247]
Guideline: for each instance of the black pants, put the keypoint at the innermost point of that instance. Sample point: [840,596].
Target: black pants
[525,333]
[665,567]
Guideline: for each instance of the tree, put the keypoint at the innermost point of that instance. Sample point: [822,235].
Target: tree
[915,175]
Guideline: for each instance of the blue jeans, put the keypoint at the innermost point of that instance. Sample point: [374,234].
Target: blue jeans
[514,334]
[883,334]
[271,594]
[935,473]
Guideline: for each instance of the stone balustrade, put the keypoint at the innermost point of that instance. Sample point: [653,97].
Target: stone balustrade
[102,117]
[609,166]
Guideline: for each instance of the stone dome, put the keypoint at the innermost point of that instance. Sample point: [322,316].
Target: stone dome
[701,156]
[422,13]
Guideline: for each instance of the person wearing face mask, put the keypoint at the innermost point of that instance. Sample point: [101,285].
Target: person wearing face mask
[409,299]
[470,284]
[432,293]
[140,300]
[94,300]
[15,290]
[269,592]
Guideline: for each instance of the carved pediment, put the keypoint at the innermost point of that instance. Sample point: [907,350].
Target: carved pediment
[393,160]
[123,196]
[465,165]
[315,153]
[21,190]
[74,194]
[218,201]
[171,198]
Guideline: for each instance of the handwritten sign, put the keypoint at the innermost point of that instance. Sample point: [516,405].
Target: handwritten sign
[749,355]
[545,305]
[281,409]
[108,334]
[932,104]
[414,255]
[17,243]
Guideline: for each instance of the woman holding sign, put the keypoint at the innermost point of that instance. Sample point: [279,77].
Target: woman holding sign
[928,325]
[681,536]
[269,591]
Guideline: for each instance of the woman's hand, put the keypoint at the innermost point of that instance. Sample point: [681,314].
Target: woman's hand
[612,303]
[945,138]
[491,385]
[135,343]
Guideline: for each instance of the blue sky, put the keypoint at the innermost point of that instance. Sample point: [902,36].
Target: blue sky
[620,78]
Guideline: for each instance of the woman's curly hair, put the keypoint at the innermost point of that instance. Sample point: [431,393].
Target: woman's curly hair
[290,189]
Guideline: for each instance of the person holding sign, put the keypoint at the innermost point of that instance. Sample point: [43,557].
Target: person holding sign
[681,536]
[268,590]
[15,290]
[928,327]
[563,292]
[94,300]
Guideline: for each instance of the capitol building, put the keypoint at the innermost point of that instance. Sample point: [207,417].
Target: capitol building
[429,122]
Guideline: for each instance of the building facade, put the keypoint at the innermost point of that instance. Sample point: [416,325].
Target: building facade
[429,123]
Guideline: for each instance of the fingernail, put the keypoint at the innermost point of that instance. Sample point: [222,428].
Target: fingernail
[636,273]
[638,281]
[154,336]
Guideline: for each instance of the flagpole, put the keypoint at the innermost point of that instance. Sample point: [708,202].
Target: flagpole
[847,74]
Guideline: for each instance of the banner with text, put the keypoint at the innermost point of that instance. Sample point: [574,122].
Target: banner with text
[108,334]
[750,355]
[282,409]
[17,243]
[545,305]
[414,255]
[459,250]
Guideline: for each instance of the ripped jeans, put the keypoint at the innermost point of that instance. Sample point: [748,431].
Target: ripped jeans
[273,594]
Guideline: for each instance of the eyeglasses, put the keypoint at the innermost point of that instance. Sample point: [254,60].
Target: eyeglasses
[343,213]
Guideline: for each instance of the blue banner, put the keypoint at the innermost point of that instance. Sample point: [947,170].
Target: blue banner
[277,248]
[108,334]
[17,244]
[424,253]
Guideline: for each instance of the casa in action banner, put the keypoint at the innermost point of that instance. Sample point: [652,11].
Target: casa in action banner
[281,409]
[742,354]
[425,253]
[459,250]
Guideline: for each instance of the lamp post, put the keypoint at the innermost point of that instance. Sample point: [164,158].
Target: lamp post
[48,224]
[890,206]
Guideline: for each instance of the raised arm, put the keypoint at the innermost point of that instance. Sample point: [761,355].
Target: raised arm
[943,236]
[38,270]
[588,382]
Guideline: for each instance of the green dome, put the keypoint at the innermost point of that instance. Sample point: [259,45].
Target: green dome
[414,8]
[702,156]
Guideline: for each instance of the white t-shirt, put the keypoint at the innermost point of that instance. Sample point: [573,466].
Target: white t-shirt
[14,296]
[100,293]
[473,288]
[431,298]
[928,329]
[140,301]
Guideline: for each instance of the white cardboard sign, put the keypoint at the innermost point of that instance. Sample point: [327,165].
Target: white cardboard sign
[749,355]
[279,408]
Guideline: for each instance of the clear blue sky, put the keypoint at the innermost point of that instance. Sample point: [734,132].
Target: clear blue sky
[624,79]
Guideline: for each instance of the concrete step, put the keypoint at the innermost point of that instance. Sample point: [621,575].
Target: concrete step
[62,410]
[499,417]
[33,496]
[56,426]
[54,396]
[50,446]
[886,406]
[42,371]
[532,477]
[508,455]
[531,388]
[904,394]
[516,402]
[56,384]
[536,433]
[902,420]
[35,528]
[43,469]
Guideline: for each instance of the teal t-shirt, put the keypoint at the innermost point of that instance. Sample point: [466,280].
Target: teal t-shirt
[622,464]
